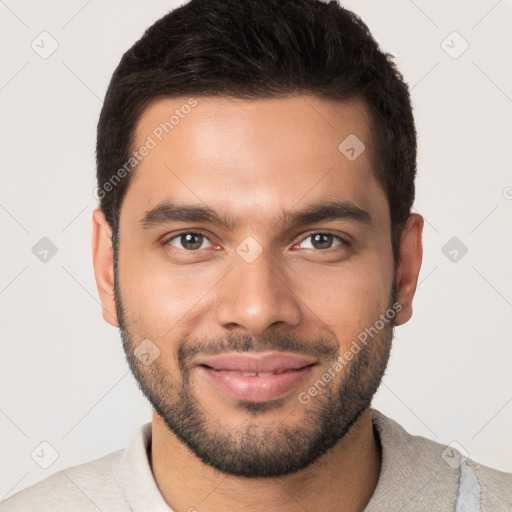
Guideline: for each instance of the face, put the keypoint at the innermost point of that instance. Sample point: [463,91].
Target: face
[255,287]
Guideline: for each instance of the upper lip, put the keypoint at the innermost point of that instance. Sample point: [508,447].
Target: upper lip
[257,362]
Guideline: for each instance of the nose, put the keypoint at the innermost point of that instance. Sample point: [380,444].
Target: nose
[256,296]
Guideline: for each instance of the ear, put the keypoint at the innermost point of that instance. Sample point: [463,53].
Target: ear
[411,254]
[102,255]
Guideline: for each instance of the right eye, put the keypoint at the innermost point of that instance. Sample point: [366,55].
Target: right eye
[189,241]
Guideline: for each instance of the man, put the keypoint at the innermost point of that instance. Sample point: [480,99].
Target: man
[255,245]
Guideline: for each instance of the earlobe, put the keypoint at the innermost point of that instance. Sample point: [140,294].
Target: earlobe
[411,254]
[102,254]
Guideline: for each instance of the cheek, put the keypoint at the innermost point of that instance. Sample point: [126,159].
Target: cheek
[347,298]
[161,296]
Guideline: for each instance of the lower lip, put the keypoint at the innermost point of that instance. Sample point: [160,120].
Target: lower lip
[256,389]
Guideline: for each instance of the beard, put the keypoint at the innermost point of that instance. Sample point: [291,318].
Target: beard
[251,450]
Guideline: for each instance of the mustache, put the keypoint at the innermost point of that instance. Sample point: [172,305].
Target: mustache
[319,347]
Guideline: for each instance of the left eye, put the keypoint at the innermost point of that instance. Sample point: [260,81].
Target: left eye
[189,241]
[323,241]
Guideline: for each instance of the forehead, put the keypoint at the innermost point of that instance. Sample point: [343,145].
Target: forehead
[253,158]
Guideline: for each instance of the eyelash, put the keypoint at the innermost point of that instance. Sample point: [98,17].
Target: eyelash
[343,241]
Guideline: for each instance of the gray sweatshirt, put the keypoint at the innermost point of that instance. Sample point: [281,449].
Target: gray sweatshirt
[417,475]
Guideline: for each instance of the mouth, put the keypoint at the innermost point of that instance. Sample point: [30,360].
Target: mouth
[256,377]
[257,362]
[255,374]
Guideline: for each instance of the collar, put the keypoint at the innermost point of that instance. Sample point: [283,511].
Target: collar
[413,474]
[139,484]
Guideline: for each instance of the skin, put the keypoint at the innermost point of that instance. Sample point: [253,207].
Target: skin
[277,154]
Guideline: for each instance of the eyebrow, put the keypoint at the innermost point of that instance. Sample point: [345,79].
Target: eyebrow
[168,211]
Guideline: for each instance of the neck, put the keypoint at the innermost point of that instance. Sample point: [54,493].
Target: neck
[346,475]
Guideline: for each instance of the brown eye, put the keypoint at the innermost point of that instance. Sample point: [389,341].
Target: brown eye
[189,241]
[320,241]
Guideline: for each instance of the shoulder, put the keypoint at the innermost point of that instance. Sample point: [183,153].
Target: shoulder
[493,488]
[471,485]
[89,486]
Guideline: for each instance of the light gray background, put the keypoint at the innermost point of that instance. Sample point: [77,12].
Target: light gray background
[64,379]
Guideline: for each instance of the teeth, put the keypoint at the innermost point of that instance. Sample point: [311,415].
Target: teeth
[259,374]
